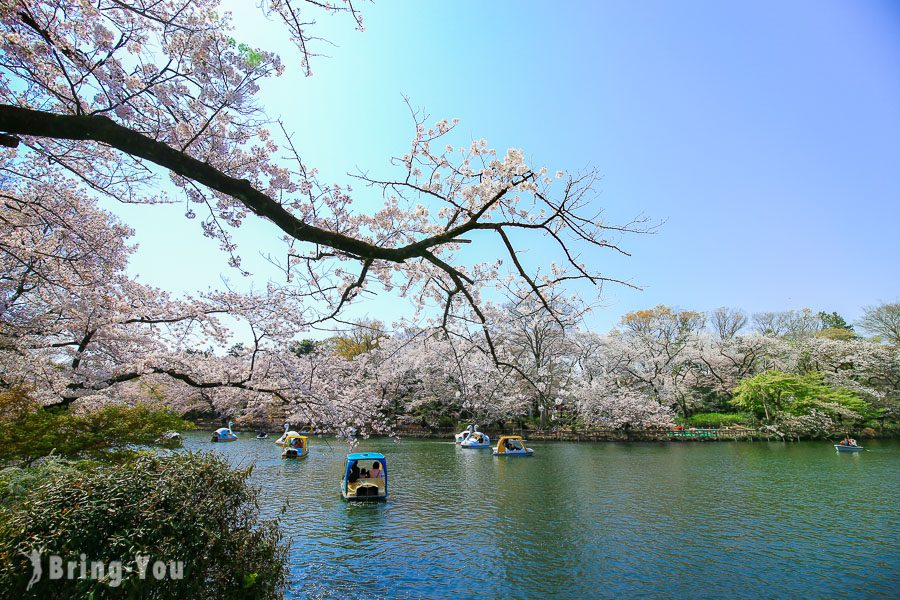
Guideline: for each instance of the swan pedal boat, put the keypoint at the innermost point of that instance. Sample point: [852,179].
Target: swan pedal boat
[463,435]
[224,434]
[294,445]
[476,440]
[512,445]
[847,448]
[364,488]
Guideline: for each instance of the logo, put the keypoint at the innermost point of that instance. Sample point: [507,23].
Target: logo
[111,573]
[35,558]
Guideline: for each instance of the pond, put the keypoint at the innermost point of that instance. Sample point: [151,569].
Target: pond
[587,520]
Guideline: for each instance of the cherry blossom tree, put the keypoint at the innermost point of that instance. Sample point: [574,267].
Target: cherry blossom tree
[431,376]
[157,102]
[75,327]
[653,353]
[119,91]
[70,319]
[870,370]
[539,348]
[720,364]
[617,408]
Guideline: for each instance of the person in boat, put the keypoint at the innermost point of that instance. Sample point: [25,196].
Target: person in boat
[376,472]
[354,473]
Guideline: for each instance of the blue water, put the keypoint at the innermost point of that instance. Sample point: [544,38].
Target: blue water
[581,520]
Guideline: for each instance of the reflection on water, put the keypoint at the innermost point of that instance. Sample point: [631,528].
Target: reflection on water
[588,520]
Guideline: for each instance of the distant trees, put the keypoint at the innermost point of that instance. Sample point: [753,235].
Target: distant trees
[837,333]
[363,336]
[540,349]
[833,321]
[657,348]
[870,370]
[794,324]
[660,364]
[835,327]
[727,322]
[803,323]
[303,347]
[884,321]
[604,405]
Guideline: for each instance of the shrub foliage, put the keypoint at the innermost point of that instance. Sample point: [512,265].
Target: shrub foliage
[188,507]
[29,432]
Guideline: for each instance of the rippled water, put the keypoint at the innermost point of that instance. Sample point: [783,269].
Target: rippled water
[589,520]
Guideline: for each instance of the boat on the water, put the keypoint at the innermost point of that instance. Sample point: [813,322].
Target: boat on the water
[476,440]
[296,446]
[224,434]
[848,448]
[262,435]
[465,433]
[848,444]
[512,445]
[365,477]
[288,433]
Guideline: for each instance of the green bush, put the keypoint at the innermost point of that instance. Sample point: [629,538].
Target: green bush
[771,393]
[186,507]
[28,431]
[717,420]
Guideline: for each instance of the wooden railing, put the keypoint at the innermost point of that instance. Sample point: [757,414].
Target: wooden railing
[694,433]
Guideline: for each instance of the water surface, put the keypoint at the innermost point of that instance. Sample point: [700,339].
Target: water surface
[581,520]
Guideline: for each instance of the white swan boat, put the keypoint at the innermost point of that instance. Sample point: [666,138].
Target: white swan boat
[224,434]
[476,440]
[465,434]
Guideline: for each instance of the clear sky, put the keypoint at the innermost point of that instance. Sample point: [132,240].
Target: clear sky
[766,135]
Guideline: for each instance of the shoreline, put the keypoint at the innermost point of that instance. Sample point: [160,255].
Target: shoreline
[698,435]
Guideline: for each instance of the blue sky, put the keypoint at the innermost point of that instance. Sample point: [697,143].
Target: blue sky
[766,136]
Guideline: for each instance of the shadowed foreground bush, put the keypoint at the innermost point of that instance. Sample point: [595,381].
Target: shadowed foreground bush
[188,507]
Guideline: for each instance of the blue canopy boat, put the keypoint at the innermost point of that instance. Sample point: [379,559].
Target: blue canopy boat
[365,477]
